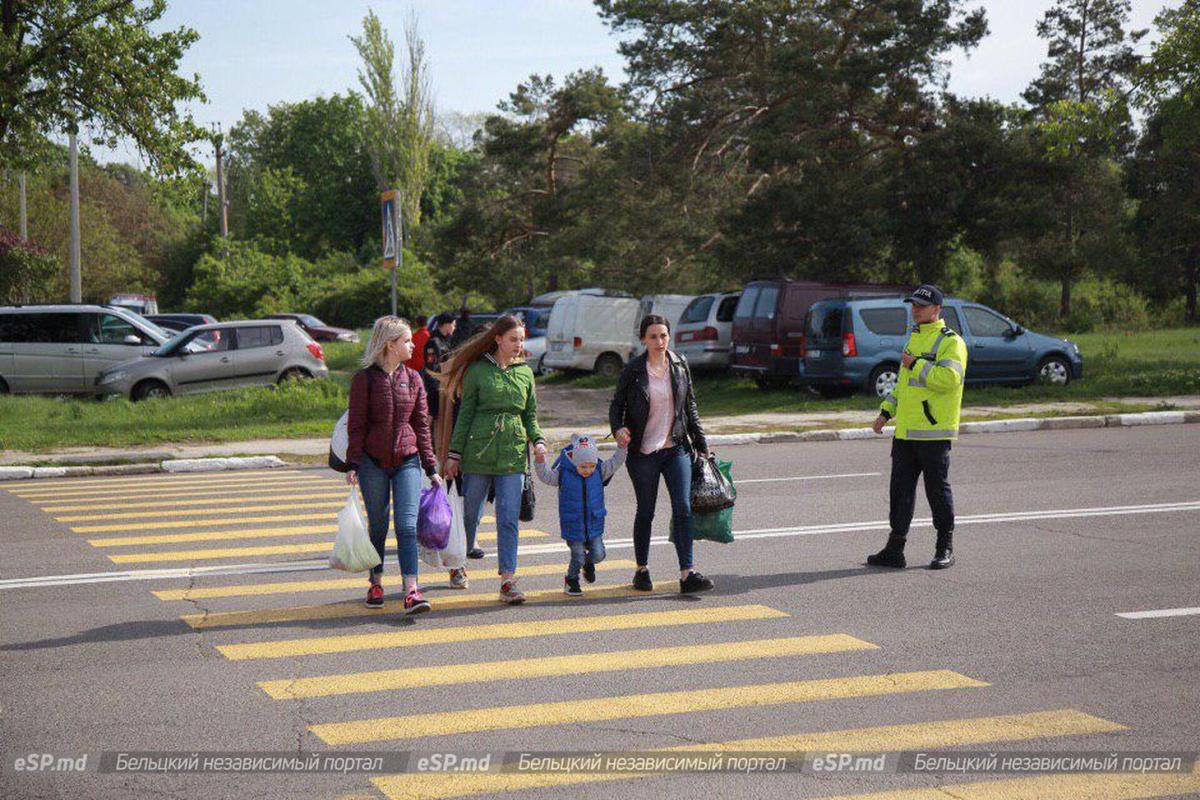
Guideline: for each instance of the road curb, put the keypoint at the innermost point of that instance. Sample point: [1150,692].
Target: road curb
[192,465]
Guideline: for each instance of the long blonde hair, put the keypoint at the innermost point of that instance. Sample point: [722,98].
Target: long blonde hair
[455,366]
[386,330]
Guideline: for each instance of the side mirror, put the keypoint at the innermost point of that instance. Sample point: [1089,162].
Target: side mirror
[1018,330]
[132,339]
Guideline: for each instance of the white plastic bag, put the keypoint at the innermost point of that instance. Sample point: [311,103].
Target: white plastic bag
[352,549]
[340,439]
[455,554]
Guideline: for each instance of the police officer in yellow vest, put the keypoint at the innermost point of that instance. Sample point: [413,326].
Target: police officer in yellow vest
[924,407]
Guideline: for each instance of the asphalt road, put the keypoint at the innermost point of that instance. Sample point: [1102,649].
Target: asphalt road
[1019,647]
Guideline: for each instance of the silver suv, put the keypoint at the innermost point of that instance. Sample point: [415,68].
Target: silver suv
[249,353]
[60,349]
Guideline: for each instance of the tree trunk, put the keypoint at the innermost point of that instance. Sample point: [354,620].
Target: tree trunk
[1064,308]
[1193,277]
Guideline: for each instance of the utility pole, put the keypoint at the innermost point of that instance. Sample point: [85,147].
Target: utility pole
[399,248]
[76,274]
[221,202]
[22,216]
[204,198]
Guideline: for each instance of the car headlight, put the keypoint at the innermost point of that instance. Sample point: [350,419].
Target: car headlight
[347,337]
[114,376]
[1074,347]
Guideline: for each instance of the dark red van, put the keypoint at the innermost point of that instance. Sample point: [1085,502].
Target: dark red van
[768,326]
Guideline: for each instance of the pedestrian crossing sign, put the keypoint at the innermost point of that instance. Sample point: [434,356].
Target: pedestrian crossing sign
[389,205]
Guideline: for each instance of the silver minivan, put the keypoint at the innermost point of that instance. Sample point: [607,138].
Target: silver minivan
[60,349]
[248,353]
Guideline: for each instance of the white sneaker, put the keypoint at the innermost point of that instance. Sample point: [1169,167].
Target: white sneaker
[458,579]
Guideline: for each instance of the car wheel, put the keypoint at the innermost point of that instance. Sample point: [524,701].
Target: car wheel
[1054,370]
[540,367]
[608,365]
[150,390]
[292,374]
[883,380]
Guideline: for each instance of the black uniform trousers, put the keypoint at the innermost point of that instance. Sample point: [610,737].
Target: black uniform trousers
[910,460]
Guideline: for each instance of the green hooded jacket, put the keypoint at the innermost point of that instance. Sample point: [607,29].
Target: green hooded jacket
[497,418]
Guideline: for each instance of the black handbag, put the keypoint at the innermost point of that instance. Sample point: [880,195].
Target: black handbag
[528,498]
[711,490]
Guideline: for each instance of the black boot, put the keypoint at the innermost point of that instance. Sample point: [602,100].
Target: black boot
[943,557]
[892,555]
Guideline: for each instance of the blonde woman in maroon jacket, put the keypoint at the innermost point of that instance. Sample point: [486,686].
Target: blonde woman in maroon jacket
[389,444]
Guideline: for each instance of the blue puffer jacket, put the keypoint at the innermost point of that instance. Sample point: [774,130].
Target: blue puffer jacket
[581,509]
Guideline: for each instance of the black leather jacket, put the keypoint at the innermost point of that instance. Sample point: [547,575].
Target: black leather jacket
[630,407]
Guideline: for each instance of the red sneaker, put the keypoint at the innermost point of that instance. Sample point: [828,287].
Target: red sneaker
[375,596]
[414,603]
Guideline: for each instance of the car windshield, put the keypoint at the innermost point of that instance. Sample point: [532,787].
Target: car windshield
[183,340]
[311,321]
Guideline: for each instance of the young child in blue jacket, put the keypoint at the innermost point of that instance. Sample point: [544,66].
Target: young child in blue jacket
[580,476]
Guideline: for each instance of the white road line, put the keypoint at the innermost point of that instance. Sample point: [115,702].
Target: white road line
[754,533]
[740,481]
[1162,612]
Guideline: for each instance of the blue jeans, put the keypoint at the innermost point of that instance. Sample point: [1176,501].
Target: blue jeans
[401,485]
[675,465]
[508,509]
[591,551]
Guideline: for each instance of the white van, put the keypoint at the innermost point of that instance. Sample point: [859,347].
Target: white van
[592,333]
[670,306]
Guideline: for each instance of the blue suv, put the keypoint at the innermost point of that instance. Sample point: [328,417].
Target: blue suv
[856,343]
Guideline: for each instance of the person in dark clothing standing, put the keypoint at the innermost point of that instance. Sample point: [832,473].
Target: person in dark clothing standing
[464,330]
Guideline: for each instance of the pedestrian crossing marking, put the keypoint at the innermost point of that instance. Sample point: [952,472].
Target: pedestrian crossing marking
[260,533]
[887,738]
[1123,786]
[267,550]
[239,498]
[295,587]
[526,629]
[166,512]
[632,706]
[211,495]
[199,523]
[131,490]
[522,669]
[354,608]
[152,479]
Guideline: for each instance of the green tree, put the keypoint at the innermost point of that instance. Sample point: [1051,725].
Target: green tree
[94,64]
[399,129]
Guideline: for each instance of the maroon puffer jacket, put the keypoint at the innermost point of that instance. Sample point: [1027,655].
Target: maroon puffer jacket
[389,418]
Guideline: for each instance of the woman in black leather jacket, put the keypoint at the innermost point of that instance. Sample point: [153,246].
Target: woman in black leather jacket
[653,412]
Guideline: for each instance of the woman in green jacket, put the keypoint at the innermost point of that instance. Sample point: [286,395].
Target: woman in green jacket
[497,418]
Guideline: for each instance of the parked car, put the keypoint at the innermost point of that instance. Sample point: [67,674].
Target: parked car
[60,349]
[705,330]
[856,343]
[535,354]
[174,323]
[318,330]
[137,303]
[591,332]
[769,324]
[249,353]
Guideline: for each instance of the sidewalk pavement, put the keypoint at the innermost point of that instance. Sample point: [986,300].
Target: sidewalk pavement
[771,426]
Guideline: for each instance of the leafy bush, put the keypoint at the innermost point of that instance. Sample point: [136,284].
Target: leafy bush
[26,270]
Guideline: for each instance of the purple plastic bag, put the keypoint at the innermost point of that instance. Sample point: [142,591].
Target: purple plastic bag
[433,519]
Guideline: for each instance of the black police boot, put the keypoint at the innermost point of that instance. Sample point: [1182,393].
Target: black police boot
[943,557]
[892,555]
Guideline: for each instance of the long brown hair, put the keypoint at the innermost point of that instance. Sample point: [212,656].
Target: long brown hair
[455,366]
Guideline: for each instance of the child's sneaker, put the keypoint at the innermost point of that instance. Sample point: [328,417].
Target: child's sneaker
[571,587]
[375,596]
[589,572]
[414,603]
[458,579]
[509,593]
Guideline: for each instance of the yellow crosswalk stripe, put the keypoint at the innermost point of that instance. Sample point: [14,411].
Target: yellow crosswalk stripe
[238,499]
[630,706]
[160,512]
[337,584]
[890,738]
[355,608]
[266,550]
[1052,787]
[175,524]
[524,629]
[134,491]
[259,533]
[210,495]
[526,668]
[152,479]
